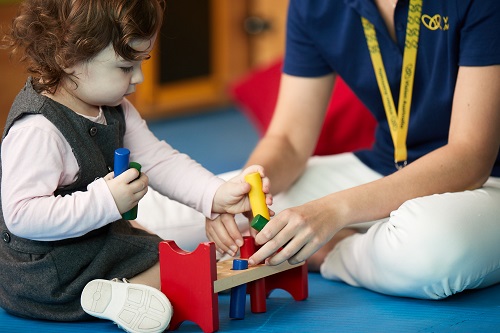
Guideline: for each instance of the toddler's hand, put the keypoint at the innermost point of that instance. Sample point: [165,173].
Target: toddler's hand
[224,232]
[127,189]
[231,197]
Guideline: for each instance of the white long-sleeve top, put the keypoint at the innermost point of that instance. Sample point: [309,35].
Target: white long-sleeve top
[37,160]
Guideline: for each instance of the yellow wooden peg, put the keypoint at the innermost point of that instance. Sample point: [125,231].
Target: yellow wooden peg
[257,196]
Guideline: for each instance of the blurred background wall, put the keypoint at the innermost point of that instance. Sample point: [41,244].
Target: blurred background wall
[204,45]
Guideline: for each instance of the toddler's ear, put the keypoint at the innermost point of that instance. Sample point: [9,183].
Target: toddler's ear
[64,66]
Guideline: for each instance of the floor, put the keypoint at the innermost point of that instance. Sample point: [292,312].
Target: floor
[331,307]
[221,140]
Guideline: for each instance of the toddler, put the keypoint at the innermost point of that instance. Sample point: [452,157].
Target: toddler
[66,253]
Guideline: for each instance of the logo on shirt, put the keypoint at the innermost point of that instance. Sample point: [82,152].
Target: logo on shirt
[436,22]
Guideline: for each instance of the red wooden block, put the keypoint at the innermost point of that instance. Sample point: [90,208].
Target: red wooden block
[187,279]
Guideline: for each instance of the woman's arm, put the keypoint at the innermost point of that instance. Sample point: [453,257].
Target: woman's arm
[286,146]
[464,163]
[294,129]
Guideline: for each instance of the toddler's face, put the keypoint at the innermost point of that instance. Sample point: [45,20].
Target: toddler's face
[107,78]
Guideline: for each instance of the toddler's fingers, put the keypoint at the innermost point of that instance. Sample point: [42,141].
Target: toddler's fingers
[109,176]
[266,185]
[129,175]
[216,229]
[232,229]
[253,169]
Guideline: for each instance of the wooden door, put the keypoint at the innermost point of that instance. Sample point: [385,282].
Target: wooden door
[12,73]
[212,50]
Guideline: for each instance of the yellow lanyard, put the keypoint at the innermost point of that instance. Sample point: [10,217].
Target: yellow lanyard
[398,121]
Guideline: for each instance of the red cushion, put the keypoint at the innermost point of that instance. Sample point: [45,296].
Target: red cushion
[348,124]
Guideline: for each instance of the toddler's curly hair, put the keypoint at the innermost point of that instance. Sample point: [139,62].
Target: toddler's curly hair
[50,35]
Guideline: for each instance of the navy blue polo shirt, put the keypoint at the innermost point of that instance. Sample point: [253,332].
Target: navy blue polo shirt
[325,36]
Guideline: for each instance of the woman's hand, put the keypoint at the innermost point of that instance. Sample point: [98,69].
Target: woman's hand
[299,232]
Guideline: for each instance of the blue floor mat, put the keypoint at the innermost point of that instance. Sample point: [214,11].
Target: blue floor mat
[331,307]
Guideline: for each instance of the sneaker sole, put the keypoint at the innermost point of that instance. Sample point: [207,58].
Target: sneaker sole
[136,308]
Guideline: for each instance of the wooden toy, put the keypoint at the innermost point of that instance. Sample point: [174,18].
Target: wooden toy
[258,222]
[192,281]
[238,293]
[257,199]
[121,164]
[122,156]
[261,217]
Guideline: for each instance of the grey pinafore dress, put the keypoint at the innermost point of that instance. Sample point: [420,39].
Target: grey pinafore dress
[45,279]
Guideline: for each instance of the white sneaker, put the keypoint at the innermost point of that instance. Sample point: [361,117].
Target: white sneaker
[136,308]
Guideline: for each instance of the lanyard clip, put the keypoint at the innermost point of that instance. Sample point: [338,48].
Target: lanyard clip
[401,164]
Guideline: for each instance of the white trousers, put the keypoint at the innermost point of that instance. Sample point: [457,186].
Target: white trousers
[430,247]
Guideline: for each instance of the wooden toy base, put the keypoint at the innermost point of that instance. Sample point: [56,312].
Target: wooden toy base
[191,281]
